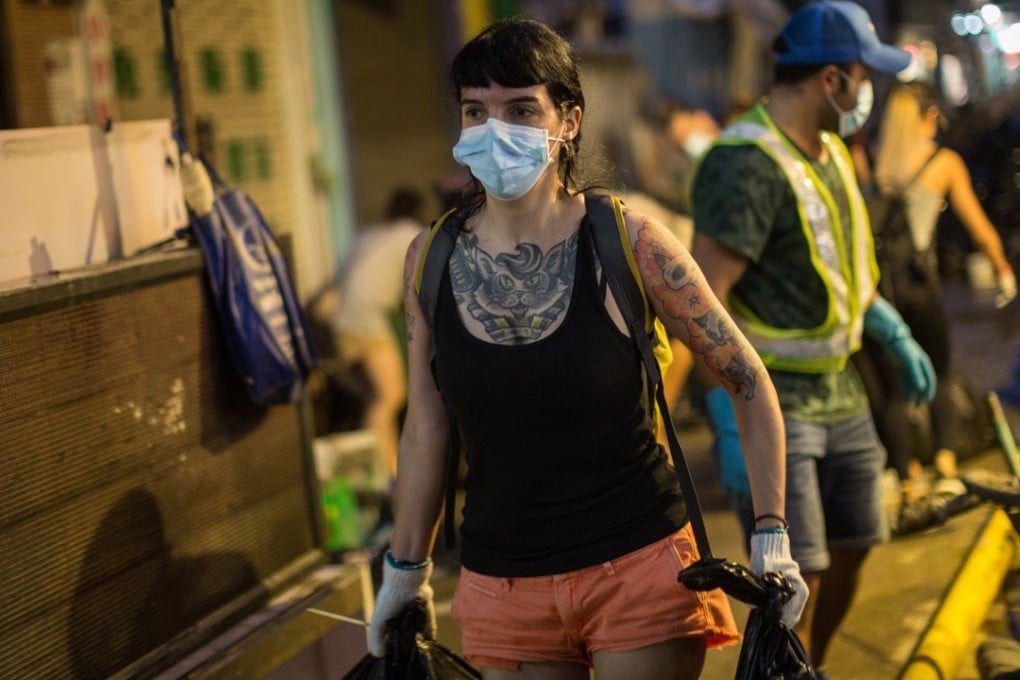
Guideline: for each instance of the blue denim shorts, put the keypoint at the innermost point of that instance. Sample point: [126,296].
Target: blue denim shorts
[833,489]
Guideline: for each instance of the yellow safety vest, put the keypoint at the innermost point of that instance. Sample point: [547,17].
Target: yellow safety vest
[849,272]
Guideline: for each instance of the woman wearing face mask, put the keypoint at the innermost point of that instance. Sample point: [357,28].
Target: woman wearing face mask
[573,526]
[910,164]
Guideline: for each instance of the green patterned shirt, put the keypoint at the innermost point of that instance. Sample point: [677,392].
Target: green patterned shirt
[742,198]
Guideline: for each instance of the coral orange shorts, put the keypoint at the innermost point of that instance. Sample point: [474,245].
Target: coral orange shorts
[628,603]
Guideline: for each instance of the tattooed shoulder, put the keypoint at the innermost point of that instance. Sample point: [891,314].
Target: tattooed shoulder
[682,294]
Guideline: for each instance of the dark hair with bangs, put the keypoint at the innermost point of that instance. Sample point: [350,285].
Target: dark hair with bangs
[522,52]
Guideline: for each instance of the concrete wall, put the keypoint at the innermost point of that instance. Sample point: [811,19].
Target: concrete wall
[400,119]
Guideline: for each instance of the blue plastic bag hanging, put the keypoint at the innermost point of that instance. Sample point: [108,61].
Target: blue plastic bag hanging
[253,294]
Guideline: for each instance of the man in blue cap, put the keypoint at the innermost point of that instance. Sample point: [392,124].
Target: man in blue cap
[782,234]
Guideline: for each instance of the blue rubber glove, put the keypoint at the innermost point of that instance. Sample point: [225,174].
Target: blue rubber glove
[917,376]
[728,451]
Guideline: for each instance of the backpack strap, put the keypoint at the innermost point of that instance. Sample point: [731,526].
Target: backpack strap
[889,204]
[612,242]
[432,261]
[428,276]
[898,194]
[924,165]
[609,231]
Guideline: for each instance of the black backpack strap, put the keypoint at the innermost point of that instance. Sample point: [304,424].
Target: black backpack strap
[452,477]
[892,201]
[610,233]
[683,475]
[429,271]
[924,165]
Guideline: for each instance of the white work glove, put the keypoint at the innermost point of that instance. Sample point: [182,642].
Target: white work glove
[1005,284]
[400,586]
[196,185]
[770,552]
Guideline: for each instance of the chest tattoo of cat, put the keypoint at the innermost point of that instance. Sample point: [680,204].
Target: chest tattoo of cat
[515,296]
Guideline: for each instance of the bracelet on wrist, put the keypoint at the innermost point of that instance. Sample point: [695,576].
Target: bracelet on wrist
[404,565]
[783,524]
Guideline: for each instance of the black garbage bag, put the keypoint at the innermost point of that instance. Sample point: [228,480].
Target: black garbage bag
[410,656]
[770,650]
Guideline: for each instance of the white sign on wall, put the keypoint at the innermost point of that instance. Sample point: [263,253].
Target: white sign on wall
[51,217]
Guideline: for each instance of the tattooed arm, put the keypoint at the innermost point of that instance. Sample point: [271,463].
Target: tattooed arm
[422,455]
[691,310]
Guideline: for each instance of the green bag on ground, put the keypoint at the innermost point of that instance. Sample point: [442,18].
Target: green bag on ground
[340,510]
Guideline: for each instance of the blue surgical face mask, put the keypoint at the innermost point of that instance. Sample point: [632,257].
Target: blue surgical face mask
[507,159]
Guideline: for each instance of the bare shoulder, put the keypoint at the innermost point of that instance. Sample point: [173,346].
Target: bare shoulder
[636,221]
[418,242]
[414,251]
[953,160]
[643,228]
[951,169]
[946,162]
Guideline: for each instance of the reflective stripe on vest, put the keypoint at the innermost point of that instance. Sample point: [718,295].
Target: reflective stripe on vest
[827,346]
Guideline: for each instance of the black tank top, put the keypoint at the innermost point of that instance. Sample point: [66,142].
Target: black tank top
[563,467]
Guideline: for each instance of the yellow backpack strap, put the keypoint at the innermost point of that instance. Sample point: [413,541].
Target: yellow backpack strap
[660,341]
[611,239]
[612,243]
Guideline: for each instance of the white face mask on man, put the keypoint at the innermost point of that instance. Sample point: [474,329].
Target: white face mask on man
[697,143]
[853,119]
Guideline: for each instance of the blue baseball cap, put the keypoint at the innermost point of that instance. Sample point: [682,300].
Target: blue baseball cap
[837,32]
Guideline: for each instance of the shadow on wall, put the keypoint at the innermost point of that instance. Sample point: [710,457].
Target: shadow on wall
[133,594]
[39,262]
